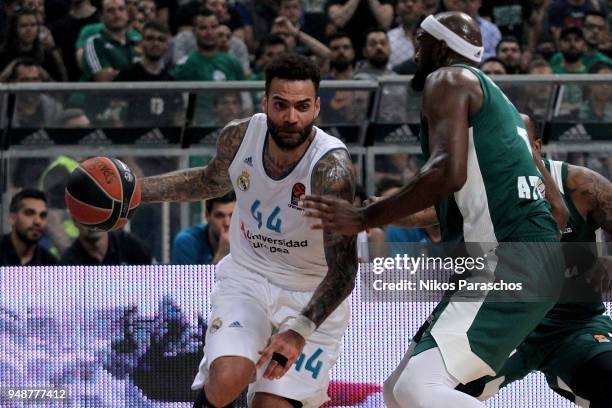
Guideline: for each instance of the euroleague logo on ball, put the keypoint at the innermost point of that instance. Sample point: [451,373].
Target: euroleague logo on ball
[297,191]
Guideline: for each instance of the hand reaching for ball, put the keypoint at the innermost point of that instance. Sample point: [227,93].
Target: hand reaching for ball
[102,193]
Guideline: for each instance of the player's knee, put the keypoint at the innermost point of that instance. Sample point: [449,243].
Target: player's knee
[408,391]
[227,378]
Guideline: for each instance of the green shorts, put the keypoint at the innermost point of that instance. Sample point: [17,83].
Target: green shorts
[476,338]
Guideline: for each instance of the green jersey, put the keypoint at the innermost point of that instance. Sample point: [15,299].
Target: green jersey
[502,198]
[96,28]
[578,231]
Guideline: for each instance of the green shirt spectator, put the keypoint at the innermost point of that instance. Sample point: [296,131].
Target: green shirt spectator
[92,29]
[587,60]
[102,51]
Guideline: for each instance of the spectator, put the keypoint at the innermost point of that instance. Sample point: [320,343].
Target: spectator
[337,107]
[409,13]
[32,110]
[509,52]
[598,105]
[535,23]
[28,220]
[595,30]
[94,247]
[233,46]
[431,7]
[230,17]
[207,63]
[546,47]
[573,47]
[539,66]
[23,40]
[73,118]
[376,54]
[397,235]
[270,48]
[152,109]
[490,33]
[118,28]
[358,16]
[311,24]
[206,244]
[66,30]
[493,66]
[566,13]
[298,41]
[370,243]
[257,17]
[392,107]
[7,8]
[112,50]
[507,15]
[227,107]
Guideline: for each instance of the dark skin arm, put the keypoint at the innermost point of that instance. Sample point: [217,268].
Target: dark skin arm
[591,193]
[451,96]
[199,183]
[553,195]
[332,176]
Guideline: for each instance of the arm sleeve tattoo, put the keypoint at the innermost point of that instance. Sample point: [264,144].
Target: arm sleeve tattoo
[333,176]
[199,183]
[596,190]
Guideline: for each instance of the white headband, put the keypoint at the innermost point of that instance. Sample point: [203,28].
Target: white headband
[440,32]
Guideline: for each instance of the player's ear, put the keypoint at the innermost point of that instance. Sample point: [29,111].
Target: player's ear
[264,104]
[11,218]
[317,107]
[442,52]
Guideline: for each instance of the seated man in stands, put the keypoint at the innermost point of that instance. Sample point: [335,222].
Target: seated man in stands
[28,220]
[94,247]
[206,243]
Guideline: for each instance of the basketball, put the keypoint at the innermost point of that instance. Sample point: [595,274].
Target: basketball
[102,193]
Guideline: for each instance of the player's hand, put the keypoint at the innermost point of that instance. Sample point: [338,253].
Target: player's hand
[370,200]
[335,214]
[288,344]
[600,275]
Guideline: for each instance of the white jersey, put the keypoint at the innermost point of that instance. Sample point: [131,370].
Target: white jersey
[269,234]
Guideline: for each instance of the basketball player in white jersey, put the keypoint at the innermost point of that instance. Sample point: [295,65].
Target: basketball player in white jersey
[278,307]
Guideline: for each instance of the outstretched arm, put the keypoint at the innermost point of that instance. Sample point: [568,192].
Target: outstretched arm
[449,97]
[553,195]
[332,176]
[592,194]
[199,183]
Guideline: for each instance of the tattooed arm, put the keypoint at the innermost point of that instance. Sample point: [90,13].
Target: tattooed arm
[199,183]
[333,176]
[592,195]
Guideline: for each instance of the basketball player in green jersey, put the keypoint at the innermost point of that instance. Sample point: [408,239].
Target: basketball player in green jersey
[481,177]
[572,346]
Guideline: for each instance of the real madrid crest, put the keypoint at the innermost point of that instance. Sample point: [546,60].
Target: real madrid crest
[216,325]
[244,181]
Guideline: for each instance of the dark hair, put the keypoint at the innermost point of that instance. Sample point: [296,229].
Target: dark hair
[387,183]
[157,26]
[22,195]
[227,198]
[337,35]
[203,12]
[598,66]
[11,41]
[271,39]
[492,59]
[292,67]
[373,30]
[537,63]
[22,62]
[508,39]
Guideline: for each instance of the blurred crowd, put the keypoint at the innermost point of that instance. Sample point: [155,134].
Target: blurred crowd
[219,40]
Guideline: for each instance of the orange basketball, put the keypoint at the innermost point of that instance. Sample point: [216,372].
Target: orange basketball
[102,193]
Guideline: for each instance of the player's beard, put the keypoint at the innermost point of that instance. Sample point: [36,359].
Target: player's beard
[572,56]
[425,68]
[291,143]
[23,237]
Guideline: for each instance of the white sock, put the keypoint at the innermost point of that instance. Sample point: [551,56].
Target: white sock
[425,383]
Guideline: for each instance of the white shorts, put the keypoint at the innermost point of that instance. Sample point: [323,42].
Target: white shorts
[246,311]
